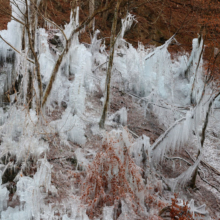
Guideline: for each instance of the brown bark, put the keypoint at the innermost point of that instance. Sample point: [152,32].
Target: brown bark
[91,11]
[105,14]
[29,89]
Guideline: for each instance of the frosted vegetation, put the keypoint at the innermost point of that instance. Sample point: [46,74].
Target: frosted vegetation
[122,172]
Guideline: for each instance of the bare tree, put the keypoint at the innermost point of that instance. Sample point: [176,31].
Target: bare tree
[110,63]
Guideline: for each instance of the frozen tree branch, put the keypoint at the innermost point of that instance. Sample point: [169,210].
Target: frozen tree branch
[15,49]
[163,136]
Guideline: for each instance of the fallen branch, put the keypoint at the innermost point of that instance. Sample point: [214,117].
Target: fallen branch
[210,167]
[203,179]
[132,133]
[178,158]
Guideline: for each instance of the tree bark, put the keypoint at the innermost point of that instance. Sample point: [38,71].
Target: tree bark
[91,11]
[30,28]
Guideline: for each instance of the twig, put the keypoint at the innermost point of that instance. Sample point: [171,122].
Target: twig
[133,133]
[99,66]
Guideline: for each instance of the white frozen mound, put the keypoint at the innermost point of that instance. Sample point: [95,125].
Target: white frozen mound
[20,135]
[70,128]
[139,149]
[120,116]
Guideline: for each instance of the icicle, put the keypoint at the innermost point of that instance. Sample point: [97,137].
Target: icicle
[4,195]
[173,166]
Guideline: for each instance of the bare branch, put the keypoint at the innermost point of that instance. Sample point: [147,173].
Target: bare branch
[15,49]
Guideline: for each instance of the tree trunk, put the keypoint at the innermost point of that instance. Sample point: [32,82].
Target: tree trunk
[108,77]
[105,14]
[91,11]
[202,138]
[74,5]
[31,30]
[29,89]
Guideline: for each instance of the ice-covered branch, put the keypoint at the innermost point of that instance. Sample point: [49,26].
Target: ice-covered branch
[163,136]
[167,43]
[15,49]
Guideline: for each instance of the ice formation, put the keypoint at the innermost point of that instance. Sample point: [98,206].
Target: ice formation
[3,195]
[31,192]
[149,73]
[70,128]
[120,116]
